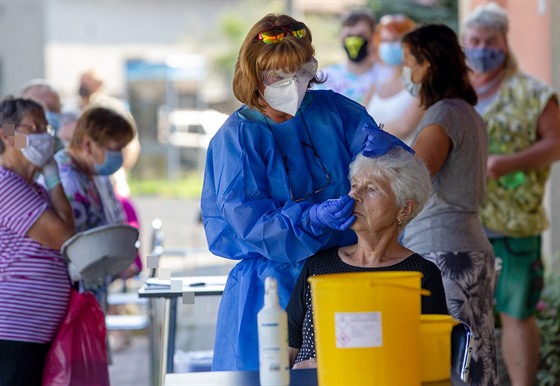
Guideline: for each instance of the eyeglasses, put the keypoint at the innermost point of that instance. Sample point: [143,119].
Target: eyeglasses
[314,190]
[35,129]
[304,74]
[317,157]
[276,34]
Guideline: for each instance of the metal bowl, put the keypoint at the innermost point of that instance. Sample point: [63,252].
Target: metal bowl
[100,252]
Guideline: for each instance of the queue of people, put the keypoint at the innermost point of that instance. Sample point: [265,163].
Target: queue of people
[250,212]
[521,115]
[50,192]
[302,181]
[35,221]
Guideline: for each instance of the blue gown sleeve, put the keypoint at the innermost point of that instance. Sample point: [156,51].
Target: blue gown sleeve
[297,308]
[240,218]
[246,211]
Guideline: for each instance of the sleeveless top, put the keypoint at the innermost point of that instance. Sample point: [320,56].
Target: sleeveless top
[388,109]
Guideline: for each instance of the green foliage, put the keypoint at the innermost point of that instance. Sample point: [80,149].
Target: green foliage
[233,30]
[234,25]
[421,11]
[190,186]
[548,320]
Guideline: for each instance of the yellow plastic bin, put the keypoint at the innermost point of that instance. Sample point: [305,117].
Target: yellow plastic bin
[367,327]
[435,347]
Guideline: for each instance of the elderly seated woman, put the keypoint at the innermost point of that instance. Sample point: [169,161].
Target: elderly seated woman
[389,190]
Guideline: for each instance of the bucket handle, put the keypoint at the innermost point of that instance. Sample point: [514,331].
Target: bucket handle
[423,292]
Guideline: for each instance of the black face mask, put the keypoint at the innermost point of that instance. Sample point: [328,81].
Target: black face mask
[83,91]
[356,47]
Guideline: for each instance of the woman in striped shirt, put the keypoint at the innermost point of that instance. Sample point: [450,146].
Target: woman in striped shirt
[34,223]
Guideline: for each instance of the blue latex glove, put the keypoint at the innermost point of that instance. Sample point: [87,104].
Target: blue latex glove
[379,142]
[335,214]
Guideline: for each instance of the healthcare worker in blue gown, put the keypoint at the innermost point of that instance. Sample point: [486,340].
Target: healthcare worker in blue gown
[276,179]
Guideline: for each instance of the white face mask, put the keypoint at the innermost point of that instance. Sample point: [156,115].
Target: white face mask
[39,148]
[286,94]
[285,97]
[409,85]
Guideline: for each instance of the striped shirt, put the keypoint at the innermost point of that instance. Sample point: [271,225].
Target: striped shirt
[34,283]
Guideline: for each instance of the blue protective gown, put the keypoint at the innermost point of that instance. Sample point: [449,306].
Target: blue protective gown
[248,213]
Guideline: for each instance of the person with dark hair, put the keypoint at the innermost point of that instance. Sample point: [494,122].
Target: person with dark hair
[275,186]
[523,122]
[354,76]
[34,223]
[451,138]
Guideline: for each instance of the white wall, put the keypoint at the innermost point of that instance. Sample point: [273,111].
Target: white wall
[59,39]
[22,37]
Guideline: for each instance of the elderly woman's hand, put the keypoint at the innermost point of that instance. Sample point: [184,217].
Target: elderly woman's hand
[307,364]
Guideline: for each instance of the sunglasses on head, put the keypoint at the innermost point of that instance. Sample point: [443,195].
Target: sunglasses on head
[276,34]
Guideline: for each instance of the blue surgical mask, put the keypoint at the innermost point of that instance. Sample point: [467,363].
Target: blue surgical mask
[54,120]
[485,59]
[113,161]
[391,53]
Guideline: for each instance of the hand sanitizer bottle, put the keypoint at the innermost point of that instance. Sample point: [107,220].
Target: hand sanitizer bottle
[274,362]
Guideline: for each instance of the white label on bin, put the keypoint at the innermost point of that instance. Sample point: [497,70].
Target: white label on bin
[358,329]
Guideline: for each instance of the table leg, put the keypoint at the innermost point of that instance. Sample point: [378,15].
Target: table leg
[168,337]
[164,341]
[152,342]
[172,331]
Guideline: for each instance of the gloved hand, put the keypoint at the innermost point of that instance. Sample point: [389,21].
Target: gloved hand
[379,142]
[334,214]
[50,174]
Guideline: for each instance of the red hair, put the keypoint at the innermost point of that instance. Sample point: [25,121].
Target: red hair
[398,24]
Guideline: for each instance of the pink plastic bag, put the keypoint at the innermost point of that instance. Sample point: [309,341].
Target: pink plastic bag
[78,354]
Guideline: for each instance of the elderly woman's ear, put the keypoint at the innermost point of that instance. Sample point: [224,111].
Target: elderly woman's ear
[7,139]
[406,211]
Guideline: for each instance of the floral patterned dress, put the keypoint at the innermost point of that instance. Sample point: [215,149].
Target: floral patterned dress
[82,194]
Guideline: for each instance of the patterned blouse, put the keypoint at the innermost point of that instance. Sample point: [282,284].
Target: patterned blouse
[353,86]
[513,204]
[82,194]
